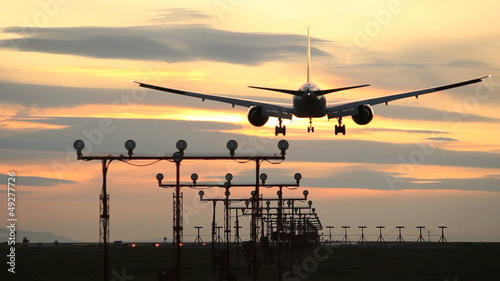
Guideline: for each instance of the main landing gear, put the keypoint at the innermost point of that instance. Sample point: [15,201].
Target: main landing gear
[280,129]
[339,128]
[310,129]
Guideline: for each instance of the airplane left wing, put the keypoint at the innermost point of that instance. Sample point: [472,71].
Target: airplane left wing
[351,107]
[268,109]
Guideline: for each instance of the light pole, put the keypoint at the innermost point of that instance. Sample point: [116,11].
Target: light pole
[177,158]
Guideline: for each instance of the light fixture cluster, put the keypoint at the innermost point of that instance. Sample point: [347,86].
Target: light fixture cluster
[181,145]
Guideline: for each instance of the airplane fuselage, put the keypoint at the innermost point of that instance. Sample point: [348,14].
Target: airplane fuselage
[309,104]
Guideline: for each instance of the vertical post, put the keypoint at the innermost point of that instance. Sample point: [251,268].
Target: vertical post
[237,238]
[177,219]
[420,239]
[330,238]
[380,239]
[227,229]
[198,238]
[442,239]
[362,239]
[255,215]
[214,203]
[346,239]
[400,239]
[280,227]
[292,233]
[104,221]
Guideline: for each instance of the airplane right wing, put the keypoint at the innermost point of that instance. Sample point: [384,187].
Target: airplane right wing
[268,109]
[351,107]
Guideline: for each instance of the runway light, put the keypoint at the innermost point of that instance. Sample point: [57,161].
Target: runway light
[283,146]
[133,245]
[157,245]
[297,177]
[181,244]
[232,145]
[159,177]
[130,146]
[194,177]
[177,157]
[181,145]
[263,178]
[79,145]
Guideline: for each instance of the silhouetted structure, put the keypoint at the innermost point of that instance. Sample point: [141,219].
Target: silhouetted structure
[362,239]
[442,240]
[198,238]
[380,239]
[420,239]
[346,240]
[330,238]
[400,239]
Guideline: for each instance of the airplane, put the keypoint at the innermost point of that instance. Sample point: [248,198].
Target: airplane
[309,102]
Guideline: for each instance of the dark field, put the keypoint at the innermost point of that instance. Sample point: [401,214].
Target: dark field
[459,261]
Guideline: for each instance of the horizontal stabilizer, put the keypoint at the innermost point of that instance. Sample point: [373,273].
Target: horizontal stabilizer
[324,92]
[290,92]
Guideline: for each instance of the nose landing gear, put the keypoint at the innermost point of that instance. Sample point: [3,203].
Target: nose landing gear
[310,129]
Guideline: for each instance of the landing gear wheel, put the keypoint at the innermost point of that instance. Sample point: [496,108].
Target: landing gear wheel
[310,129]
[339,128]
[280,129]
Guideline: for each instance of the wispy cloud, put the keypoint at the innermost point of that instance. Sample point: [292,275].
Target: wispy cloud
[374,152]
[36,181]
[376,180]
[180,15]
[441,139]
[173,43]
[425,114]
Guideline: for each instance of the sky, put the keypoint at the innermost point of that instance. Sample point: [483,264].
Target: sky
[66,71]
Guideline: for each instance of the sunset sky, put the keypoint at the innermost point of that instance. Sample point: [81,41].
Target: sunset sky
[65,75]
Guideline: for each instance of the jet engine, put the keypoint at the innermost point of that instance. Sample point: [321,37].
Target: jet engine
[364,116]
[255,116]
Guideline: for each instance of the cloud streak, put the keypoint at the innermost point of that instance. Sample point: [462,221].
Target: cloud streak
[37,181]
[376,180]
[172,43]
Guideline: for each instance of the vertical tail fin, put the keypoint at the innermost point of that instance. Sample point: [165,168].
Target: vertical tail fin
[308,57]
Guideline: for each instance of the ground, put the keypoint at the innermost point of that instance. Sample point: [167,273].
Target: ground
[454,262]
